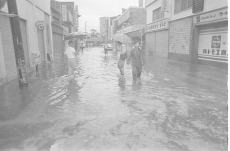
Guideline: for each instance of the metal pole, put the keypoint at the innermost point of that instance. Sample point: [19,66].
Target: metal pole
[18,44]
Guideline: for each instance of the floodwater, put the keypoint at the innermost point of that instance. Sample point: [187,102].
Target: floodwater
[174,108]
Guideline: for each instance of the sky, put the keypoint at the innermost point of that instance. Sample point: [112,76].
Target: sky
[92,10]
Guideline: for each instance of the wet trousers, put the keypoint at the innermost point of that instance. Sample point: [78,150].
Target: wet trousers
[72,65]
[121,65]
[136,72]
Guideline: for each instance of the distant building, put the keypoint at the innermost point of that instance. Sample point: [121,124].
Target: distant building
[76,19]
[67,14]
[104,28]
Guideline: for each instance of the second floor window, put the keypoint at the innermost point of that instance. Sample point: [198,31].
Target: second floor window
[181,5]
[157,14]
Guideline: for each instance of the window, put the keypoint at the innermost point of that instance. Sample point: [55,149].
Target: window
[157,14]
[197,6]
[181,5]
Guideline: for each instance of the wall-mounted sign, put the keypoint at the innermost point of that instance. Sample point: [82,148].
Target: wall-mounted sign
[163,24]
[40,25]
[64,12]
[213,16]
[213,46]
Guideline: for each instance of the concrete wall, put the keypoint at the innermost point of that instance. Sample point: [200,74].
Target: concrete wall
[137,16]
[2,62]
[208,5]
[7,50]
[183,14]
[43,5]
[147,2]
[104,25]
[214,4]
[156,4]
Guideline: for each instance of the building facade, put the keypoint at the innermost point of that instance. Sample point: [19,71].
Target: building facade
[211,31]
[67,15]
[158,14]
[180,30]
[198,31]
[104,28]
[76,19]
[35,24]
[129,27]
[188,30]
[8,69]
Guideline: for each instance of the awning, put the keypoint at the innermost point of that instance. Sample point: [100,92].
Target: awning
[133,31]
[123,38]
[75,35]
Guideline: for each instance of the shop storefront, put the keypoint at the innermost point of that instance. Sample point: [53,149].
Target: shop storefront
[157,38]
[212,36]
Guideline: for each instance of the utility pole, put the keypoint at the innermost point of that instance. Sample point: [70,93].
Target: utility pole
[18,45]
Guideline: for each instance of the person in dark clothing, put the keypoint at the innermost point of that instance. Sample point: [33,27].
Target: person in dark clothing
[136,57]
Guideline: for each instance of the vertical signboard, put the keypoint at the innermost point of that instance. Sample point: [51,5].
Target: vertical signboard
[64,12]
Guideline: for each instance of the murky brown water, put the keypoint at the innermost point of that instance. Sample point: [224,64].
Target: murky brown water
[100,111]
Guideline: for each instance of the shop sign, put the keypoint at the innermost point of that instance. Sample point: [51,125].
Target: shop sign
[213,16]
[40,25]
[213,46]
[163,24]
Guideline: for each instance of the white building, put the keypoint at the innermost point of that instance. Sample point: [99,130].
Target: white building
[35,26]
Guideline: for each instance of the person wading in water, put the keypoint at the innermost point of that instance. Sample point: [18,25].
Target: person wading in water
[70,53]
[137,62]
[121,62]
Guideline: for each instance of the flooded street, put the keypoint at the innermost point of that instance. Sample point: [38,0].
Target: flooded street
[175,108]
